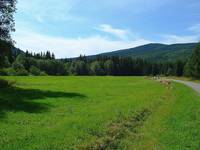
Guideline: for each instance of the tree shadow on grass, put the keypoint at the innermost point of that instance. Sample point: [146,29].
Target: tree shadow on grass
[17,99]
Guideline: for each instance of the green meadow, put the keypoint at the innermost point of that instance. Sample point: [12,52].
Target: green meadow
[44,113]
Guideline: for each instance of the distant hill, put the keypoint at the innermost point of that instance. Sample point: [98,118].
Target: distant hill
[155,52]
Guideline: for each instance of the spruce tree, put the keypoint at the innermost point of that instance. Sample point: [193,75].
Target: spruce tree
[192,67]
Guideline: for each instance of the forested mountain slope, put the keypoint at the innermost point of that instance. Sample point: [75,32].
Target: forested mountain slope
[155,52]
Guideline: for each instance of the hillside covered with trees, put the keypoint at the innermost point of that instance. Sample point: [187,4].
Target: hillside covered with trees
[155,52]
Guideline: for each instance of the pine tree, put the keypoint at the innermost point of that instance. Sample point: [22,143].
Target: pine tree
[192,67]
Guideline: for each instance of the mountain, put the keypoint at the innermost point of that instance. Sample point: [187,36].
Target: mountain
[155,52]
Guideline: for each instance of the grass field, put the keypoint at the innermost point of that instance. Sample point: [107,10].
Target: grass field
[98,113]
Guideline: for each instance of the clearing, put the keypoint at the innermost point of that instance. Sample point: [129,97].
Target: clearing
[98,113]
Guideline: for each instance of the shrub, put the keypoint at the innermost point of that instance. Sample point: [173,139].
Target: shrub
[6,62]
[10,72]
[96,68]
[22,72]
[17,66]
[43,73]
[3,72]
[5,84]
[35,71]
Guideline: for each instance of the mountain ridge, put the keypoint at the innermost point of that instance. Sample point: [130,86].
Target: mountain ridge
[154,52]
[151,51]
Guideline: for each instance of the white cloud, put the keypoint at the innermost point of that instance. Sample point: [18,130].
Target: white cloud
[193,37]
[195,28]
[123,34]
[71,47]
[171,39]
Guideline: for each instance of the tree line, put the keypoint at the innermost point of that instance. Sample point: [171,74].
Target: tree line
[115,66]
[45,64]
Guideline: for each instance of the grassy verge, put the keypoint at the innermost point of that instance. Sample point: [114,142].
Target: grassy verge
[185,79]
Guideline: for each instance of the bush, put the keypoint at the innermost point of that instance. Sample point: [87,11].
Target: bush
[17,66]
[96,68]
[22,72]
[3,72]
[5,84]
[6,62]
[43,74]
[35,71]
[10,72]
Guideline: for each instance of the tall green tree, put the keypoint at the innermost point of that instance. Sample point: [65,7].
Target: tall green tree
[109,67]
[179,65]
[192,67]
[7,9]
[78,68]
[96,68]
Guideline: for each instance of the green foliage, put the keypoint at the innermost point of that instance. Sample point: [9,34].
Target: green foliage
[35,71]
[192,67]
[114,66]
[17,66]
[8,72]
[21,59]
[26,62]
[5,53]
[109,67]
[155,52]
[187,72]
[6,62]
[78,68]
[43,73]
[52,67]
[179,68]
[7,8]
[22,72]
[170,72]
[3,72]
[5,83]
[96,68]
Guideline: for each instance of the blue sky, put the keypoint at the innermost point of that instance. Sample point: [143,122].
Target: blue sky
[73,27]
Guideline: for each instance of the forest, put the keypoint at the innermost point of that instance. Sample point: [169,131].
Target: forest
[41,64]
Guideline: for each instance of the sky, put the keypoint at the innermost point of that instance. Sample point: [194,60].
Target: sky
[73,27]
